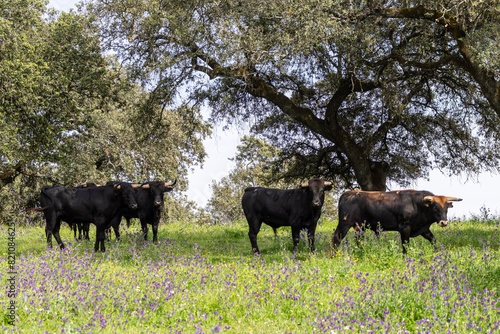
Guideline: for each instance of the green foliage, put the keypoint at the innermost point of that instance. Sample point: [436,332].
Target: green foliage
[48,71]
[206,278]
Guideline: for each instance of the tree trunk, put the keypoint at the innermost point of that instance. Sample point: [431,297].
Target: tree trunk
[371,175]
[379,175]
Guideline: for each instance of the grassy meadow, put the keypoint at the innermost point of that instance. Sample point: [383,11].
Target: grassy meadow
[206,279]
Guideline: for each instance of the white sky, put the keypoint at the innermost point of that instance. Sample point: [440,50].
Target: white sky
[478,193]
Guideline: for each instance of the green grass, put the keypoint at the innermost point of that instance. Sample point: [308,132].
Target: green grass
[204,279]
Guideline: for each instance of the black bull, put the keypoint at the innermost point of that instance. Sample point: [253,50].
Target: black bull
[409,212]
[150,203]
[102,206]
[298,208]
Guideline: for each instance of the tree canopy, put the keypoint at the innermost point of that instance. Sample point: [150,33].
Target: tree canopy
[48,70]
[356,91]
[69,114]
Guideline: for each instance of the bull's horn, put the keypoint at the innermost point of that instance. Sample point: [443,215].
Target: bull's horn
[169,184]
[117,186]
[327,183]
[305,184]
[428,199]
[145,186]
[136,185]
[452,199]
[86,185]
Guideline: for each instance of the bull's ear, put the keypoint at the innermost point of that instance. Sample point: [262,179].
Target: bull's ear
[328,185]
[450,205]
[145,186]
[168,189]
[136,185]
[427,200]
[117,186]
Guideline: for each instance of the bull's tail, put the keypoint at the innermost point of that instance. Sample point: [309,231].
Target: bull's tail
[44,193]
[37,209]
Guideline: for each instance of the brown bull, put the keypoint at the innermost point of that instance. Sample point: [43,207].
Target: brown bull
[410,212]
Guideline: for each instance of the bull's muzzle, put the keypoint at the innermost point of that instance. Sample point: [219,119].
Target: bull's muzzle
[157,203]
[134,206]
[317,203]
[443,223]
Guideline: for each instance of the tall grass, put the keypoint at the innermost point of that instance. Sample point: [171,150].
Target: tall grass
[205,279]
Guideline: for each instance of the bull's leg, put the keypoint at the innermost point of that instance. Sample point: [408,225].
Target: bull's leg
[432,239]
[48,235]
[116,229]
[405,236]
[50,222]
[55,231]
[99,238]
[80,230]
[144,228]
[339,234]
[310,236]
[295,238]
[254,228]
[86,229]
[155,232]
[74,227]
[254,223]
[115,224]
[154,224]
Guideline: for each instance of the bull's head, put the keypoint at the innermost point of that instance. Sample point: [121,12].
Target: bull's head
[157,189]
[439,206]
[126,192]
[318,188]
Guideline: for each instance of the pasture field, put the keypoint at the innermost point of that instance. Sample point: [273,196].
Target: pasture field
[206,279]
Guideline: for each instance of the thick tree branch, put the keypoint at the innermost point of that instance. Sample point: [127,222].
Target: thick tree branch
[393,121]
[258,87]
[485,79]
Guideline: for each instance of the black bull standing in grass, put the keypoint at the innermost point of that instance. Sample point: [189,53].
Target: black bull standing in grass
[102,206]
[409,212]
[150,203]
[298,208]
